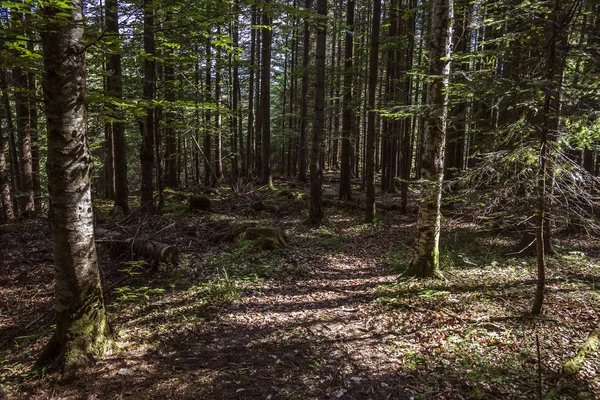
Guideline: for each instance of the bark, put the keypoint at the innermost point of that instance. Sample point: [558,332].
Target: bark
[304,98]
[236,120]
[35,147]
[370,142]
[82,331]
[24,136]
[250,131]
[207,135]
[5,195]
[345,192]
[12,145]
[147,151]
[265,93]
[21,84]
[170,136]
[149,249]
[114,83]
[425,261]
[315,216]
[218,117]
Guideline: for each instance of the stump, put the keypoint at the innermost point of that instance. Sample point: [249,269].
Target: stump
[198,202]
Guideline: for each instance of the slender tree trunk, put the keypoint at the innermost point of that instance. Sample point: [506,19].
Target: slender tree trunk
[208,128]
[114,83]
[425,262]
[12,145]
[345,188]
[24,135]
[265,92]
[82,331]
[21,84]
[370,142]
[170,155]
[5,195]
[197,91]
[147,152]
[556,56]
[304,98]
[250,131]
[238,150]
[315,216]
[218,116]
[35,147]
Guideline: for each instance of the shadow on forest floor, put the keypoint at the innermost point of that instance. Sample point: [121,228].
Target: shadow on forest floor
[325,317]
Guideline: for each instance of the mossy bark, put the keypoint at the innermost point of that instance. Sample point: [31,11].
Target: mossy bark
[82,332]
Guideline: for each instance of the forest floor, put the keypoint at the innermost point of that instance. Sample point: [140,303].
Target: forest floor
[328,316]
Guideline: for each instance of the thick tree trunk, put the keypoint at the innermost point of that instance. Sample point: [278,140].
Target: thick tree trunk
[425,261]
[147,151]
[345,192]
[114,83]
[370,142]
[82,331]
[315,216]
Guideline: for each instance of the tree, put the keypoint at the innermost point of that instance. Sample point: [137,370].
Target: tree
[425,261]
[345,192]
[304,97]
[114,83]
[82,332]
[5,199]
[315,216]
[265,93]
[146,153]
[370,145]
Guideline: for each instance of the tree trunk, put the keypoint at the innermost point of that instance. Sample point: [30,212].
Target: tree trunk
[24,137]
[265,93]
[218,116]
[370,142]
[250,130]
[12,146]
[114,83]
[304,98]
[170,155]
[35,147]
[345,192]
[425,261]
[147,151]
[315,216]
[207,126]
[5,199]
[82,331]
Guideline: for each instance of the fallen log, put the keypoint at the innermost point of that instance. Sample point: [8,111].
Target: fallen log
[149,249]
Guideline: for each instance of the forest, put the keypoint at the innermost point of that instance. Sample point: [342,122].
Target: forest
[285,199]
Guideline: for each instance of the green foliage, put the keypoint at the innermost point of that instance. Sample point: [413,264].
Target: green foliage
[127,294]
[221,288]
